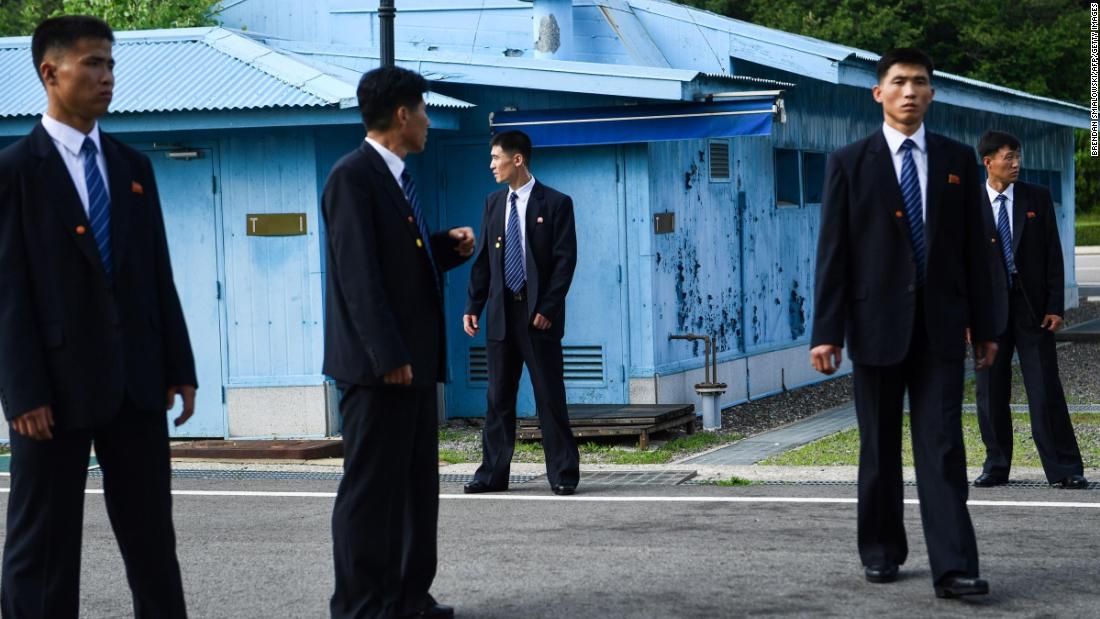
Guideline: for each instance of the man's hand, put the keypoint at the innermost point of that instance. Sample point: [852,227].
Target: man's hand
[187,392]
[984,354]
[35,423]
[465,238]
[469,324]
[1052,322]
[825,358]
[541,323]
[401,376]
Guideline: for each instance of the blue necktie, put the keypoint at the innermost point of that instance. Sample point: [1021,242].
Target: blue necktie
[409,187]
[99,203]
[514,276]
[910,193]
[1005,232]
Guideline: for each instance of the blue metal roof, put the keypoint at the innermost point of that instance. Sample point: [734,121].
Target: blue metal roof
[539,74]
[194,69]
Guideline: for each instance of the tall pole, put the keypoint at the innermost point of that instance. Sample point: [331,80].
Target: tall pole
[386,12]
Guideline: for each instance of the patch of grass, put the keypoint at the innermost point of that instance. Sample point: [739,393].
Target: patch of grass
[463,444]
[843,448]
[733,481]
[454,456]
[1087,229]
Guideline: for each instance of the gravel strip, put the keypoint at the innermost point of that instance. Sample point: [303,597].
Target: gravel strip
[1079,364]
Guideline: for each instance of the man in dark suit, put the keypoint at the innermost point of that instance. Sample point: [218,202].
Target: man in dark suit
[384,345]
[93,345]
[1029,273]
[901,272]
[521,275]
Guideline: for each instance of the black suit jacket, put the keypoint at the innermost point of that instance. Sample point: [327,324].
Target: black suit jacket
[865,288]
[69,337]
[383,308]
[1037,252]
[551,256]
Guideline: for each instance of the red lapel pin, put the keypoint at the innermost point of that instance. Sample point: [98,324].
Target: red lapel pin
[137,188]
[952,179]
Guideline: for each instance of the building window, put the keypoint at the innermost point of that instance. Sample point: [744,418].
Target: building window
[813,176]
[719,160]
[788,190]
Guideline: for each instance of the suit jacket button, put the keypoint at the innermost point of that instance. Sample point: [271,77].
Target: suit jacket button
[912,287]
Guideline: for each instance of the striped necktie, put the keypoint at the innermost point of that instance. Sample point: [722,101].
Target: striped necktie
[514,275]
[409,187]
[1005,232]
[910,193]
[99,204]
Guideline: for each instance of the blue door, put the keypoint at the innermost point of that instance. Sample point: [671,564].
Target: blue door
[188,199]
[595,316]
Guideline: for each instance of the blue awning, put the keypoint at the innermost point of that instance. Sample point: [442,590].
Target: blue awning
[627,124]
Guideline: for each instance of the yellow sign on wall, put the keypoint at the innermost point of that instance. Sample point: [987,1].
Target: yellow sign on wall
[275,224]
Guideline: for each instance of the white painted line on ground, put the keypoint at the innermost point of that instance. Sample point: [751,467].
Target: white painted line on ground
[614,499]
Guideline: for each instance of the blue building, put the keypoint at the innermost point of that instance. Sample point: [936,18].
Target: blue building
[717,128]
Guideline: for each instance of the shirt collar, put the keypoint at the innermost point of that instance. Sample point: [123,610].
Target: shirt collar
[1009,193]
[895,138]
[72,139]
[523,193]
[393,162]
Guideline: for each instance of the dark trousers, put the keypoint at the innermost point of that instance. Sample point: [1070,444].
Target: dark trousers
[541,352]
[387,507]
[46,514]
[935,398]
[1050,423]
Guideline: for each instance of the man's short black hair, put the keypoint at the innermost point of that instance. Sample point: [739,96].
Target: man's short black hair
[63,32]
[382,91]
[902,55]
[993,141]
[513,142]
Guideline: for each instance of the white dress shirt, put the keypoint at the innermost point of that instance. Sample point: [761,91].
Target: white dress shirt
[894,140]
[1009,193]
[523,194]
[68,142]
[393,162]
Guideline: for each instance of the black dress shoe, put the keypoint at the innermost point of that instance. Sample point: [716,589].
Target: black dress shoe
[955,586]
[1073,482]
[887,572]
[439,611]
[563,490]
[988,480]
[477,487]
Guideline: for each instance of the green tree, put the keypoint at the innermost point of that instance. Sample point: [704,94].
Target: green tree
[1038,46]
[19,17]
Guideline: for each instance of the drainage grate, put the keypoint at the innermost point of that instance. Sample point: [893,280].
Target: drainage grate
[463,478]
[1023,408]
[912,484]
[636,478]
[221,474]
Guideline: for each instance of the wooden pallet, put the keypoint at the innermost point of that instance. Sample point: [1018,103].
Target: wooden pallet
[641,420]
[259,449]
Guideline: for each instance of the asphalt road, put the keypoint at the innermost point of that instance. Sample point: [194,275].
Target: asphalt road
[685,551]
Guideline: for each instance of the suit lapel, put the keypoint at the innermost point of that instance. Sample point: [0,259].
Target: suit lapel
[385,178]
[1019,217]
[883,165]
[534,210]
[60,193]
[120,180]
[937,176]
